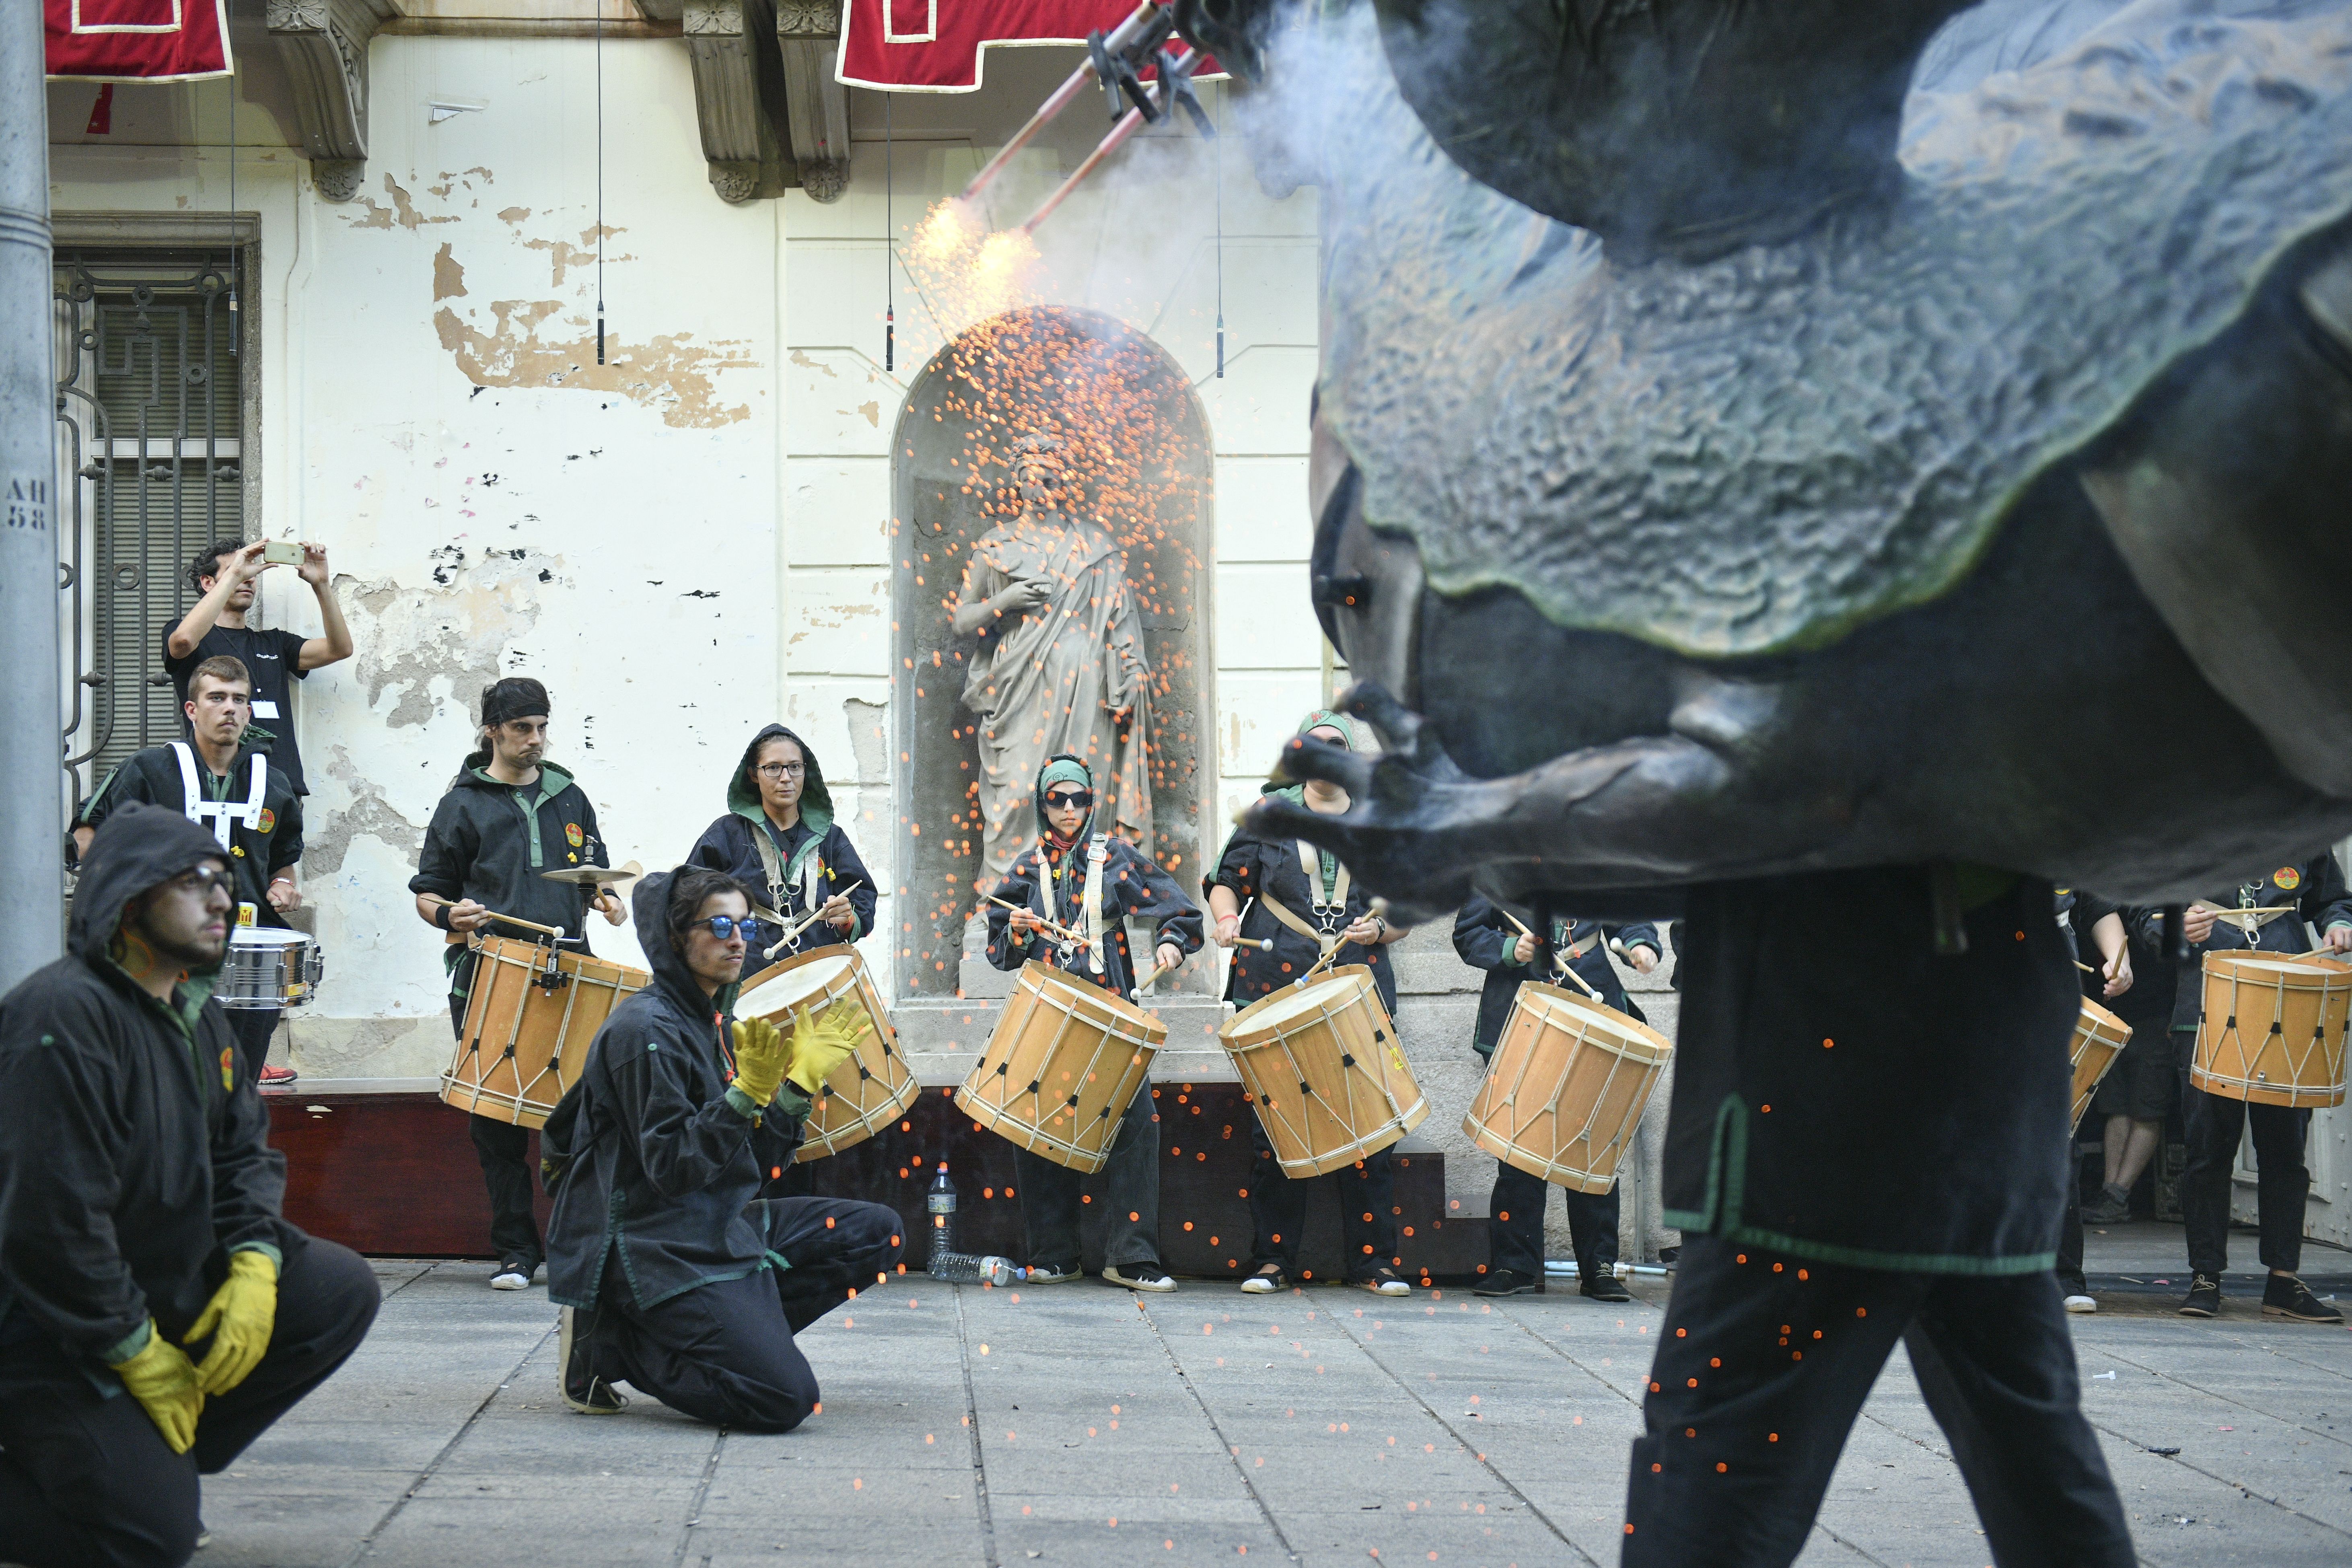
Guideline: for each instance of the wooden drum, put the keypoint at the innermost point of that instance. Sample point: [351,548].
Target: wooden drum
[1066,1059]
[531,1018]
[2098,1044]
[1322,1068]
[871,1087]
[2273,1029]
[1566,1088]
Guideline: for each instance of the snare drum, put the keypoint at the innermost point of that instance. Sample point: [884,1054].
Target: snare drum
[268,966]
[2099,1040]
[532,1014]
[1066,1058]
[2273,1029]
[1567,1086]
[1324,1071]
[871,1087]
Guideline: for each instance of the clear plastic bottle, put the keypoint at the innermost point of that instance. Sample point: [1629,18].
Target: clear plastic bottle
[963,1268]
[940,1201]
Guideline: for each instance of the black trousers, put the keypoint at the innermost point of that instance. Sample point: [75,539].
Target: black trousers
[724,1352]
[252,1028]
[86,1481]
[2282,1179]
[1128,1192]
[1767,1363]
[1368,1222]
[1515,1223]
[504,1151]
[2069,1271]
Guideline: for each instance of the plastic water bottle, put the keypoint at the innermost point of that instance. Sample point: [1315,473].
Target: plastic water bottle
[941,1204]
[963,1268]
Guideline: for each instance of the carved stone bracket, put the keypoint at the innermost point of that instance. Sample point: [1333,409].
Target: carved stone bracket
[739,94]
[816,106]
[323,46]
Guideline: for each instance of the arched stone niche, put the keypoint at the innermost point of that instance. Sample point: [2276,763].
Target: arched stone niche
[1137,454]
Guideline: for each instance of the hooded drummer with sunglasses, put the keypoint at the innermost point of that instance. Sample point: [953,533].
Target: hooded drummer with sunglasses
[1089,885]
[675,1276]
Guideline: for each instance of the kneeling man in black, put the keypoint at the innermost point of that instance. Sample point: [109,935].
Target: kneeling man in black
[139,1214]
[674,1276]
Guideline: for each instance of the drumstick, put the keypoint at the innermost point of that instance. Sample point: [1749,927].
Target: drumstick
[1065,932]
[2084,967]
[792,928]
[1558,963]
[509,920]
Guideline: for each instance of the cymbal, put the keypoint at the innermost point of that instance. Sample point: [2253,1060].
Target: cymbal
[595,876]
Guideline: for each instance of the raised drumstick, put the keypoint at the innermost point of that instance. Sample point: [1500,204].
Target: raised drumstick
[1065,932]
[506,920]
[1558,963]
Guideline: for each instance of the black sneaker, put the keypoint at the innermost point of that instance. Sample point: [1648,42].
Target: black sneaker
[1508,1282]
[584,1389]
[2288,1296]
[2112,1206]
[2204,1298]
[1601,1284]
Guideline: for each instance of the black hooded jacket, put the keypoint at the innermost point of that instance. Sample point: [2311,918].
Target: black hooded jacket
[2313,888]
[731,845]
[1485,938]
[1259,869]
[1050,877]
[491,842]
[659,1154]
[134,1154]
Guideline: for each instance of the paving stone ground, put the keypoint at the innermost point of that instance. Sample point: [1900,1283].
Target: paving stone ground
[1080,1425]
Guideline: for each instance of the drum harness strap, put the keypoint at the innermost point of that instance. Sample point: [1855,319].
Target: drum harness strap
[218,813]
[807,862]
[1049,882]
[1330,913]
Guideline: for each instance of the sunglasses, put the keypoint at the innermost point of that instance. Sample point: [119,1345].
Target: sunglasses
[204,881]
[1072,800]
[724,927]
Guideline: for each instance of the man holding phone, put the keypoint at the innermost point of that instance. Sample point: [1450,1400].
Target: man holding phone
[225,574]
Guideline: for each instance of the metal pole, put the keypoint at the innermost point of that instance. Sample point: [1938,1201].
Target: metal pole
[32,784]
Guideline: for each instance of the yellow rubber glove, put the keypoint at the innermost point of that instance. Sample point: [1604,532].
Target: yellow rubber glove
[760,1054]
[239,1318]
[819,1046]
[163,1381]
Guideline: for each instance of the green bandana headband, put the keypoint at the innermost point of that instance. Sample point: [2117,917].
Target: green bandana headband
[1065,771]
[1323,717]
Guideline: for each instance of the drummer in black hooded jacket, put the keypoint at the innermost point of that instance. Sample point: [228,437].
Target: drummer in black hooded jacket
[2311,891]
[1091,884]
[674,1275]
[1304,913]
[139,1214]
[510,817]
[778,833]
[1487,939]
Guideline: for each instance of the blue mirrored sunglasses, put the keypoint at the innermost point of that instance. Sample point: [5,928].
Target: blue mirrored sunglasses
[725,926]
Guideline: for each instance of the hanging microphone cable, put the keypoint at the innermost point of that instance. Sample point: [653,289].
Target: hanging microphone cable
[889,252]
[600,182]
[1224,99]
[236,251]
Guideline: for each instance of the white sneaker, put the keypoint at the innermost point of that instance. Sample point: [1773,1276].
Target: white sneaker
[1140,1276]
[1385,1283]
[2080,1304]
[512,1275]
[1267,1281]
[1048,1275]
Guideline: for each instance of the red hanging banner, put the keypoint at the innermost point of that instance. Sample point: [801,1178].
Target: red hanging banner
[138,40]
[938,46]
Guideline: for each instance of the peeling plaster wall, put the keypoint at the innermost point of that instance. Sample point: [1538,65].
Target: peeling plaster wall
[694,537]
[492,501]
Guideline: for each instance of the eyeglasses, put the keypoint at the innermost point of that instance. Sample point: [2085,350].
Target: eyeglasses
[1074,800]
[782,770]
[204,881]
[724,927]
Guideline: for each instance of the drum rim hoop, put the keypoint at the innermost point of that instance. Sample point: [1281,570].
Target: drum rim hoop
[1578,1002]
[1229,1034]
[1154,1027]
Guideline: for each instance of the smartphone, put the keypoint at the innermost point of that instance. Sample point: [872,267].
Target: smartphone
[282,553]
